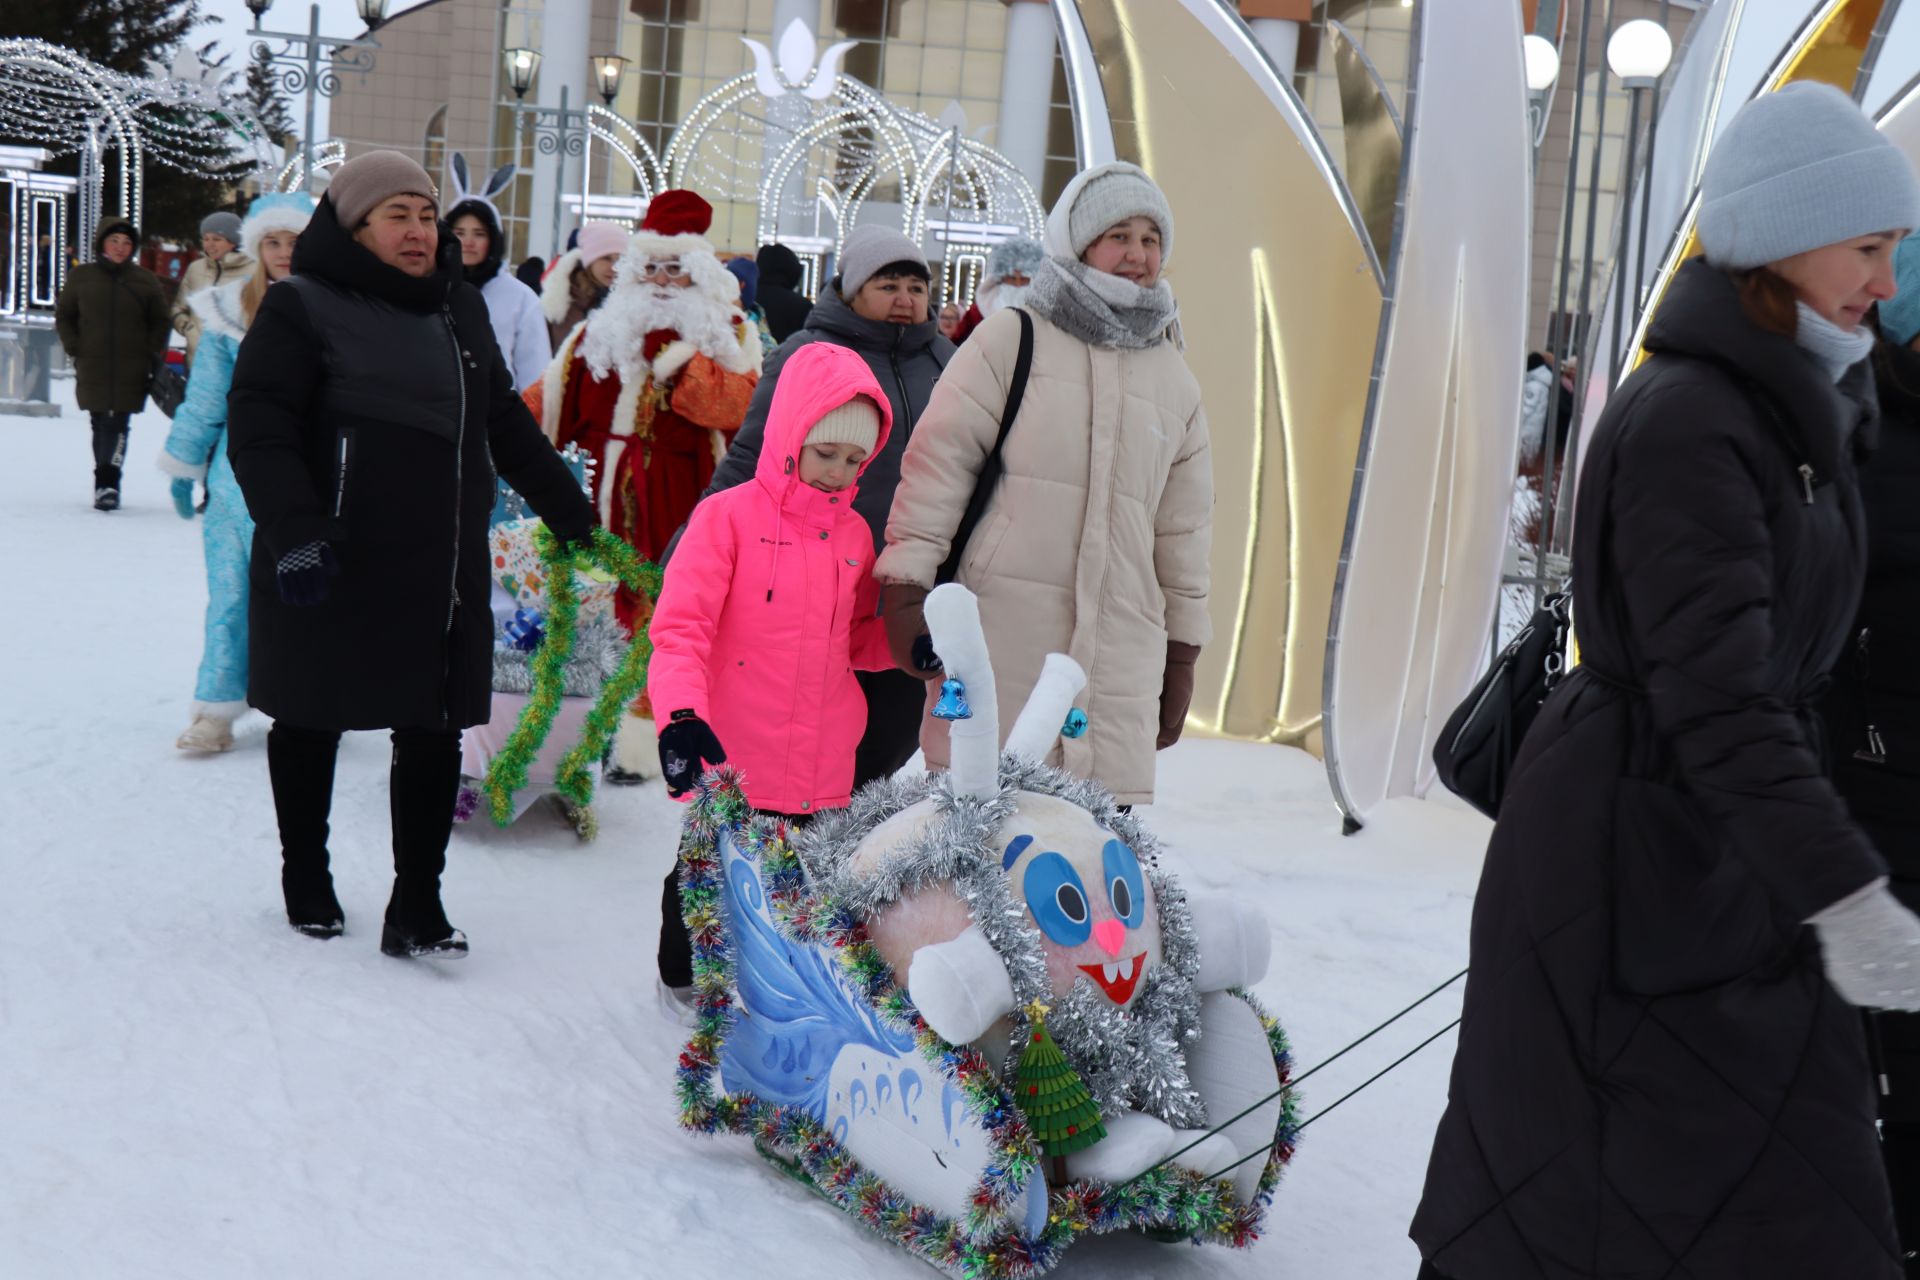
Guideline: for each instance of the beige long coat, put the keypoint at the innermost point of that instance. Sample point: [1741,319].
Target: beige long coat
[1095,543]
[201,274]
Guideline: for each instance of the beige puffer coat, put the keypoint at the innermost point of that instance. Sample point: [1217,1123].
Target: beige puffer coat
[1095,542]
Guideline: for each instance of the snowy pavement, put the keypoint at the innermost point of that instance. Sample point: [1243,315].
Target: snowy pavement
[189,1089]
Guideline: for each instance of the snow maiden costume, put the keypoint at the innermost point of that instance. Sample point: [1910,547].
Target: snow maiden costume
[196,450]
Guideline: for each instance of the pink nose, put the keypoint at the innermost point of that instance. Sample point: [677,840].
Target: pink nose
[1110,934]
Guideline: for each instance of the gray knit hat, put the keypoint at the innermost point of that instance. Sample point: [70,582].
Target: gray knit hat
[1798,170]
[857,422]
[1100,197]
[223,224]
[361,183]
[870,248]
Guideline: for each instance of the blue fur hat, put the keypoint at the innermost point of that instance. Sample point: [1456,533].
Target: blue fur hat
[275,211]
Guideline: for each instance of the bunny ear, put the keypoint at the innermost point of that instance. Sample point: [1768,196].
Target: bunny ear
[459,167]
[498,182]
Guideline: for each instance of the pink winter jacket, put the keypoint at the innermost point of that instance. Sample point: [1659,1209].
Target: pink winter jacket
[770,605]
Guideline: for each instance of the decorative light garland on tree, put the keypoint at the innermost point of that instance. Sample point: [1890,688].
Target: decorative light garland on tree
[508,771]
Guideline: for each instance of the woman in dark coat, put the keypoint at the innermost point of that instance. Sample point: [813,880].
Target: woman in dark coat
[112,319]
[1873,713]
[370,409]
[1660,1071]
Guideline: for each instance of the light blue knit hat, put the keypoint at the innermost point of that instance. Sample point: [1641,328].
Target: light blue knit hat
[1900,314]
[1798,170]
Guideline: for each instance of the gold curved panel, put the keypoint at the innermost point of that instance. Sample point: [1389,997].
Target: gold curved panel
[1373,137]
[1828,50]
[1281,308]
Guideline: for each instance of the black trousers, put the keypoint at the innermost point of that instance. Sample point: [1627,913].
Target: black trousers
[896,704]
[109,448]
[422,784]
[676,944]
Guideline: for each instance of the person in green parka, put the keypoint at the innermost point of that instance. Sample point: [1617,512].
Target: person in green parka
[112,319]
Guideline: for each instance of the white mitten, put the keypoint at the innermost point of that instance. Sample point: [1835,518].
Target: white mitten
[961,987]
[1135,1141]
[1871,944]
[1235,944]
[672,358]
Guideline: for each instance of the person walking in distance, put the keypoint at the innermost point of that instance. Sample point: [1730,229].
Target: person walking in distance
[1661,1071]
[370,409]
[274,223]
[222,260]
[519,326]
[112,320]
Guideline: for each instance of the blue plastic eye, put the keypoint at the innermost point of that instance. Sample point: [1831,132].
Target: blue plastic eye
[1058,900]
[1126,888]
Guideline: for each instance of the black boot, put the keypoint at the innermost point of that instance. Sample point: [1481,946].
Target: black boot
[421,789]
[300,765]
[109,453]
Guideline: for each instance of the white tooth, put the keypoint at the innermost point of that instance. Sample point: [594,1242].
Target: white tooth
[1113,970]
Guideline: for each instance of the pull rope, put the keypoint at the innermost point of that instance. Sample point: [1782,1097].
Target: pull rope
[1298,1080]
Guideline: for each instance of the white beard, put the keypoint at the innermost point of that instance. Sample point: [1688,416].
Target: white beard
[616,333]
[1003,296]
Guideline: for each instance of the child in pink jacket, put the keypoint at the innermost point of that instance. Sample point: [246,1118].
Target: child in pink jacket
[770,604]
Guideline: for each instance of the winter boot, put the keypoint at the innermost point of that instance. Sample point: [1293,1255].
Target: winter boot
[635,747]
[212,729]
[300,764]
[106,499]
[422,787]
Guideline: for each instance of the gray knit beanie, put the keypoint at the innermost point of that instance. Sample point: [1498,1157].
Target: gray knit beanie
[857,422]
[870,248]
[1798,170]
[361,183]
[223,224]
[1102,197]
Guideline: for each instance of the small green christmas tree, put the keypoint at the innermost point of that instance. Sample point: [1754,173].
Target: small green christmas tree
[1062,1114]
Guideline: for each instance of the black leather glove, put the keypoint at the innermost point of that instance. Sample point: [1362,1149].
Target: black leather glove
[685,743]
[302,574]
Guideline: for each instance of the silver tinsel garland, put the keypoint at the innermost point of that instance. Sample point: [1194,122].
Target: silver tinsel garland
[598,647]
[1130,1059]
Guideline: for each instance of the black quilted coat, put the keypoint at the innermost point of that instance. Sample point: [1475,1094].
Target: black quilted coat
[370,410]
[1654,1078]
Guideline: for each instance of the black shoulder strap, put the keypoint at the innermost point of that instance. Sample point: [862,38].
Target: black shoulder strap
[990,470]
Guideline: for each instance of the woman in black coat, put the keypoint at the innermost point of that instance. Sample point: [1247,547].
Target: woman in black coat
[370,409]
[1660,1070]
[1873,713]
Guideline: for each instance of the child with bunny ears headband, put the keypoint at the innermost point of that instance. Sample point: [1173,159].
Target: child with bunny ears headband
[519,325]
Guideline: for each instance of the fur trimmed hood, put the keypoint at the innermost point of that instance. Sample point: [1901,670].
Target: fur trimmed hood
[556,291]
[219,309]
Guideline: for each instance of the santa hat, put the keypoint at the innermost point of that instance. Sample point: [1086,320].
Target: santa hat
[676,223]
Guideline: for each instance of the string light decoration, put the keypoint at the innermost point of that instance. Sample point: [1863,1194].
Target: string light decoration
[68,104]
[293,176]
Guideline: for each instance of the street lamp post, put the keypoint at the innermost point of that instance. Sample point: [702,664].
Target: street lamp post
[299,59]
[1543,72]
[559,130]
[1638,53]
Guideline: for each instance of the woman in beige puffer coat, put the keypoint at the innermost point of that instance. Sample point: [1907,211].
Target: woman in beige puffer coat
[1095,541]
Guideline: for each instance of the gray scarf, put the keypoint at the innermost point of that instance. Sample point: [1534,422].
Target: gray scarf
[1835,349]
[1104,310]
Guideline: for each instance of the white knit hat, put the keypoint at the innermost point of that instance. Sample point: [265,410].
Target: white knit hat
[857,422]
[1798,170]
[870,248]
[1100,197]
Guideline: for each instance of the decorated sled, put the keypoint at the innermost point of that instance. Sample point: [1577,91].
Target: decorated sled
[973,1011]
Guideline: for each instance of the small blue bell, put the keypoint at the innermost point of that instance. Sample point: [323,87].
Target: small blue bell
[1076,725]
[526,629]
[953,702]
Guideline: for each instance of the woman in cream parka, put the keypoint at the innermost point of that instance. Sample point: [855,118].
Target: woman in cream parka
[1095,540]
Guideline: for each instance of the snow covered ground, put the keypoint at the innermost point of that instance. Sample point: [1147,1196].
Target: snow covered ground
[189,1089]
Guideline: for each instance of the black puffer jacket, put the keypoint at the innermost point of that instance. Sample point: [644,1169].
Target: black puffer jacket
[112,320]
[1654,1077]
[784,306]
[369,409]
[906,359]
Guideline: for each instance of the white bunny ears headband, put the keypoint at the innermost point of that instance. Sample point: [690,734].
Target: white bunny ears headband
[460,183]
[953,617]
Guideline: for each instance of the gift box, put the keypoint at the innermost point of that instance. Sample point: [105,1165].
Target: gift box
[517,567]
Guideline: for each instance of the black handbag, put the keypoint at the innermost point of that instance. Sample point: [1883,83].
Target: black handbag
[166,386]
[1476,749]
[991,469]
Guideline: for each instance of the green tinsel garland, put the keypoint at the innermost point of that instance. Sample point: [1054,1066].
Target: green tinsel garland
[508,772]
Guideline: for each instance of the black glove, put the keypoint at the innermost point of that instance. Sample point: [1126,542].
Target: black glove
[924,658]
[303,572]
[684,744]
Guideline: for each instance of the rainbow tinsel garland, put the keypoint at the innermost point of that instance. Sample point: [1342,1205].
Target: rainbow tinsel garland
[987,1245]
